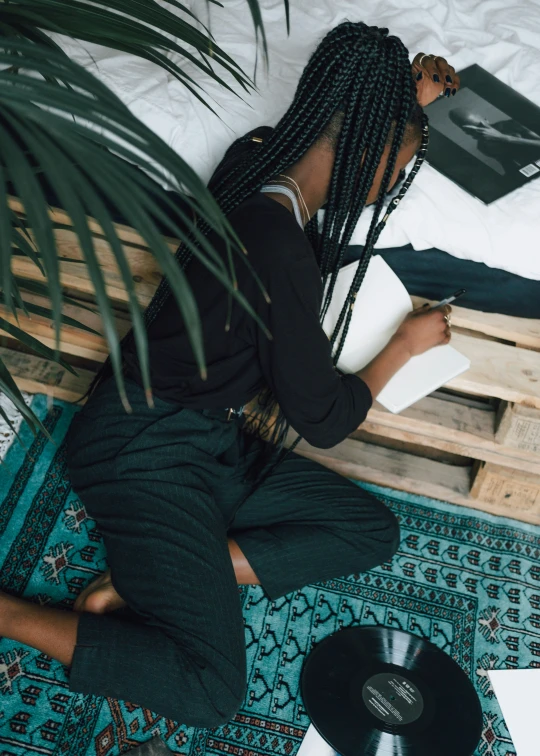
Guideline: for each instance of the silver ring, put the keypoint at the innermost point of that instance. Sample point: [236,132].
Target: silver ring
[448,321]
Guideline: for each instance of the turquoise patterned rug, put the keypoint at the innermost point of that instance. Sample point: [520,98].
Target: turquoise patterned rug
[468,582]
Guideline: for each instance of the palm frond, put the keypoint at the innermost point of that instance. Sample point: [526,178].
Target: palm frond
[63,131]
[86,144]
[140,27]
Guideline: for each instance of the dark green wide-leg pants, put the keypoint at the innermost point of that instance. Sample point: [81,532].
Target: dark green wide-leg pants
[166,488]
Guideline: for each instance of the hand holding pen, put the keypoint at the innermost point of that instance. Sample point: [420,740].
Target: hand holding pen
[446,302]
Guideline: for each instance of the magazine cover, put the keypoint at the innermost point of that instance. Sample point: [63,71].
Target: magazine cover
[486,138]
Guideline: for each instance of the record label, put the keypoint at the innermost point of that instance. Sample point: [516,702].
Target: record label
[392,698]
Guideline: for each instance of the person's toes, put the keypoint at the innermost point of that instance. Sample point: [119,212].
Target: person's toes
[81,599]
[96,603]
[101,598]
[81,602]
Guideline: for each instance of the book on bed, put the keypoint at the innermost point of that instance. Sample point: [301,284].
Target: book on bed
[381,305]
[486,138]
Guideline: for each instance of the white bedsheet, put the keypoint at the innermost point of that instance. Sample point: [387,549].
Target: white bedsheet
[502,36]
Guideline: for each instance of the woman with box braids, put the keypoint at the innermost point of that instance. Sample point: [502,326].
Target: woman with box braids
[358,85]
[169,486]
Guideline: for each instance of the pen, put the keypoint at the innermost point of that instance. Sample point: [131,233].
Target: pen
[448,300]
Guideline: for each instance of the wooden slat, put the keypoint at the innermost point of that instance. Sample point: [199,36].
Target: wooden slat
[419,450]
[406,472]
[75,277]
[38,375]
[67,246]
[124,233]
[375,464]
[451,427]
[498,370]
[144,268]
[524,331]
[73,340]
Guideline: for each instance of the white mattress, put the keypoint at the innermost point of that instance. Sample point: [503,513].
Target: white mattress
[500,35]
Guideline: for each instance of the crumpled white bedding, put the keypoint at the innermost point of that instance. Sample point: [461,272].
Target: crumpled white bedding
[503,37]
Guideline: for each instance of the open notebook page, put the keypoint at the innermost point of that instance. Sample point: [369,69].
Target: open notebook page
[381,305]
[314,744]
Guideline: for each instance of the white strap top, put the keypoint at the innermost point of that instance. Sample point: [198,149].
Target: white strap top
[279,189]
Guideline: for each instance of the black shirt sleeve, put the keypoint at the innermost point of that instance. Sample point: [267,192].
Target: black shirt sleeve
[320,404]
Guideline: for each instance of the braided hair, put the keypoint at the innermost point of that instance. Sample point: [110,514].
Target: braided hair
[357,91]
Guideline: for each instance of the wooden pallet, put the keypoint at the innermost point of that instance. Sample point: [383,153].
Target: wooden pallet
[489,417]
[500,491]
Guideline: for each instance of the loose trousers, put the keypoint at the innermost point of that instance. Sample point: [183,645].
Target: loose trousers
[167,489]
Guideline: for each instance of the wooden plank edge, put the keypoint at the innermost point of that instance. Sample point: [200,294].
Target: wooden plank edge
[40,376]
[124,233]
[98,354]
[498,370]
[393,470]
[402,428]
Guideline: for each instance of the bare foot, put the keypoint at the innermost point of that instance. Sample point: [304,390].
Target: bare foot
[99,597]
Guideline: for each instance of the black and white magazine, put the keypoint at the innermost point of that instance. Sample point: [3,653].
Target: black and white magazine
[486,138]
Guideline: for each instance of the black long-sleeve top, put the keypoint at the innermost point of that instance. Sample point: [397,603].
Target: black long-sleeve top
[320,404]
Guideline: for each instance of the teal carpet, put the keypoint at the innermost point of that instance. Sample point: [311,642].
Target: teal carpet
[468,582]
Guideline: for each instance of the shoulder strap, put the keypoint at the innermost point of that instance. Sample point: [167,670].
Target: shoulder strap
[279,189]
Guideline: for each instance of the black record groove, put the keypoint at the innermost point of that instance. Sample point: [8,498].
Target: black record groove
[372,691]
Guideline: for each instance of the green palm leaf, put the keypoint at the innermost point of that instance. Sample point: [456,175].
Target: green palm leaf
[36,128]
[46,312]
[140,27]
[33,344]
[59,123]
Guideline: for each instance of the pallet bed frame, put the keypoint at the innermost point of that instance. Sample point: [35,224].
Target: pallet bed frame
[476,442]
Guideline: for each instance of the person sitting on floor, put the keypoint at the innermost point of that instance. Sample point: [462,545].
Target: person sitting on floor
[189,503]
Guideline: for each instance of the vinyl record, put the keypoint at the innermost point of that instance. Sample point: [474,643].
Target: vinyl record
[371,691]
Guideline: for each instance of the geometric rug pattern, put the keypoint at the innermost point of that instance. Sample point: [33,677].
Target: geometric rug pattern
[466,581]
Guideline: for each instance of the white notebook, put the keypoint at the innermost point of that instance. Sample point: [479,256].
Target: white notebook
[314,744]
[518,692]
[381,305]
